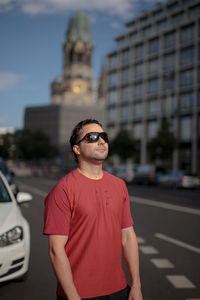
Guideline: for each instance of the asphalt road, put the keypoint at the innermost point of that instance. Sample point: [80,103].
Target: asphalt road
[167,224]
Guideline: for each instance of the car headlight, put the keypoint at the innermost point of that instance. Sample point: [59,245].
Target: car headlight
[13,236]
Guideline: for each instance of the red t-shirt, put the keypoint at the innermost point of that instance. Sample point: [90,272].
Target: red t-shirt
[91,213]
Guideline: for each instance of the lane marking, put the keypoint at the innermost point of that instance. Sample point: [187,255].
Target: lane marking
[32,189]
[177,242]
[162,263]
[140,240]
[174,207]
[180,282]
[148,250]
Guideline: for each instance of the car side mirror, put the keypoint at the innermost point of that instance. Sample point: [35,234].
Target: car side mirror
[23,197]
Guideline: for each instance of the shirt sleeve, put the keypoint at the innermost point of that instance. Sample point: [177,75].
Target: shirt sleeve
[127,220]
[57,212]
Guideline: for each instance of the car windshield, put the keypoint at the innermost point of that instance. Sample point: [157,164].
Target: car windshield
[3,168]
[4,196]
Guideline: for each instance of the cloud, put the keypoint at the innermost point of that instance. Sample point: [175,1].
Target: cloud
[121,8]
[9,80]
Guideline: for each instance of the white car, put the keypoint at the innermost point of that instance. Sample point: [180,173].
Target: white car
[14,234]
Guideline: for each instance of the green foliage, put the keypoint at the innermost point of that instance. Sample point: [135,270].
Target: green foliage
[123,145]
[27,145]
[33,145]
[163,145]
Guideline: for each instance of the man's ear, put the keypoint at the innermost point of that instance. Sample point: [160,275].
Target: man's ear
[76,149]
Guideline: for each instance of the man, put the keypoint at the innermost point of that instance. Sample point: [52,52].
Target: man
[88,222]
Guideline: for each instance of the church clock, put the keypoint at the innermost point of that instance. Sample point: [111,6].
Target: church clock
[79,86]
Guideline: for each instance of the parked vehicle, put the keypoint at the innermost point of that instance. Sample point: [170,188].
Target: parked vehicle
[14,234]
[147,174]
[9,177]
[126,172]
[178,179]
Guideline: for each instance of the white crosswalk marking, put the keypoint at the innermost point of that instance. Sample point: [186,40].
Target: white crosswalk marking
[162,263]
[180,282]
[148,250]
[140,240]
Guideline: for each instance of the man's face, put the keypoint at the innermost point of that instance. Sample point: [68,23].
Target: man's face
[96,151]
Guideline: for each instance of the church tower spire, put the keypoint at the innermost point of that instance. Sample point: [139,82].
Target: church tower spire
[75,86]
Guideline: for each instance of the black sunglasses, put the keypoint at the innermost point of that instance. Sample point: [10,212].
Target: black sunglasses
[93,137]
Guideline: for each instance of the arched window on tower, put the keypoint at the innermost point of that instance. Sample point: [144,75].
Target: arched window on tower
[80,58]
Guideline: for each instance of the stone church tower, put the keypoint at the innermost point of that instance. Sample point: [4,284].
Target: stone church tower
[75,85]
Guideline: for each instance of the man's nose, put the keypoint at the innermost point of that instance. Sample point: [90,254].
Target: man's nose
[101,141]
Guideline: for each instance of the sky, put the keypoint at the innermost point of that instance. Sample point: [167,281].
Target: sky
[32,33]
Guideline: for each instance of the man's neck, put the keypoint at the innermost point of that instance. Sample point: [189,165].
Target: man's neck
[91,171]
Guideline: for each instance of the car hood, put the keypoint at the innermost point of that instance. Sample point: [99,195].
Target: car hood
[9,216]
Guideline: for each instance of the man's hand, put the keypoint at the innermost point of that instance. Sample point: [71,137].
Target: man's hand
[135,294]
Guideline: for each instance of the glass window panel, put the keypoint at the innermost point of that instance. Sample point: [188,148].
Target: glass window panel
[152,129]
[113,79]
[154,46]
[138,131]
[112,114]
[187,78]
[169,62]
[170,40]
[125,113]
[113,97]
[138,110]
[139,51]
[139,70]
[126,57]
[186,128]
[154,66]
[125,75]
[186,101]
[153,107]
[154,86]
[113,61]
[126,93]
[187,56]
[139,90]
[187,34]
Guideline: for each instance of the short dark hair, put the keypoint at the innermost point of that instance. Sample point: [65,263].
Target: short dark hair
[76,133]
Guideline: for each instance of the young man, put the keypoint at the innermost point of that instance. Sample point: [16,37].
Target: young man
[88,222]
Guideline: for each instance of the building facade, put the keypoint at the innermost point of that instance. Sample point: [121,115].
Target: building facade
[73,94]
[154,73]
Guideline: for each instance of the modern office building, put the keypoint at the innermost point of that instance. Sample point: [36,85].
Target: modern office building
[154,73]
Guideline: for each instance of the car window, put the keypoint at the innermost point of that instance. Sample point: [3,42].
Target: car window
[3,168]
[4,196]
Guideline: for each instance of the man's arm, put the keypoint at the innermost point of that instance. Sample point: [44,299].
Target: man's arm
[62,266]
[130,251]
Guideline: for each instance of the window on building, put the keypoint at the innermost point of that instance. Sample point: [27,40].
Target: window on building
[167,105]
[152,129]
[154,86]
[113,62]
[187,78]
[113,79]
[147,31]
[169,62]
[163,24]
[153,107]
[169,81]
[113,97]
[126,57]
[138,131]
[139,90]
[112,115]
[186,101]
[187,56]
[187,34]
[125,113]
[138,110]
[154,46]
[139,70]
[195,11]
[139,51]
[154,66]
[125,75]
[178,18]
[186,128]
[170,40]
[126,94]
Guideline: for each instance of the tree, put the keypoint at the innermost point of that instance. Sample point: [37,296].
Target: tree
[162,146]
[123,145]
[5,144]
[33,145]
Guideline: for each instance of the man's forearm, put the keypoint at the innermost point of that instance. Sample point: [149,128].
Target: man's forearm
[63,273]
[130,251]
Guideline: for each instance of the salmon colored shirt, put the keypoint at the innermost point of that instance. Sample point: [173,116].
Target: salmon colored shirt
[91,213]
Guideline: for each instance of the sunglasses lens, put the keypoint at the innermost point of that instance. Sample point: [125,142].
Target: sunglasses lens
[104,136]
[92,137]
